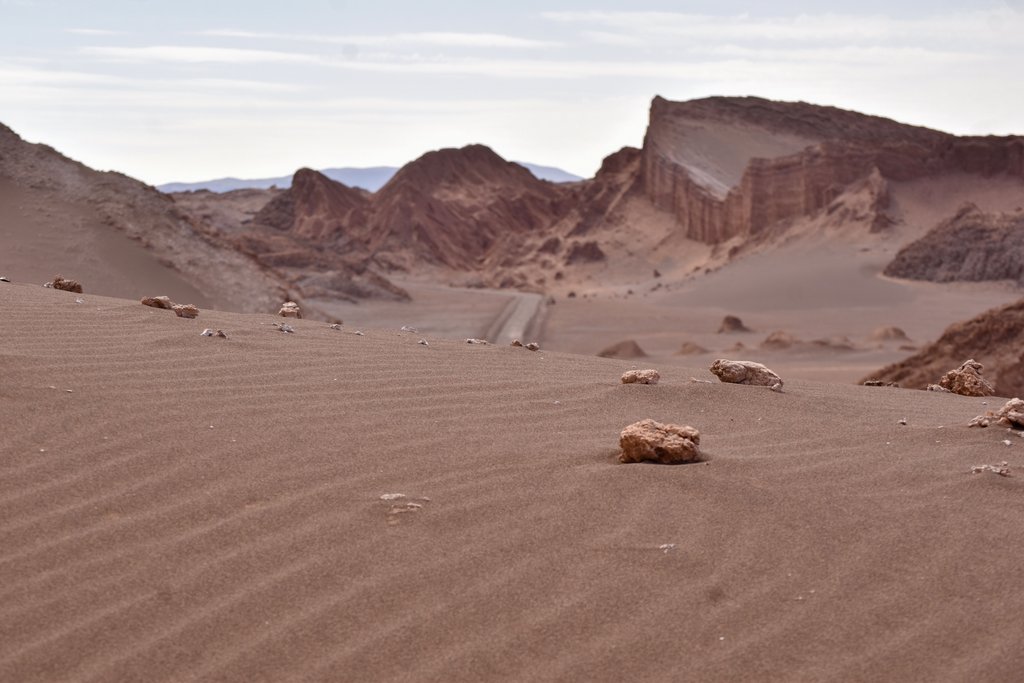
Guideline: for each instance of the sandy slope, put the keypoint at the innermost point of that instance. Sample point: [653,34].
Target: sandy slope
[209,509]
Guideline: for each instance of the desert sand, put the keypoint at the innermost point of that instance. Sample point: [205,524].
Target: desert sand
[176,507]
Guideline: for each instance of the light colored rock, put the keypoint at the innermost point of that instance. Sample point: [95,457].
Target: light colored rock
[516,342]
[185,310]
[3,279]
[967,380]
[67,285]
[745,372]
[1002,470]
[285,327]
[649,376]
[533,346]
[657,442]
[1010,415]
[336,326]
[476,341]
[423,342]
[937,388]
[290,309]
[213,333]
[158,302]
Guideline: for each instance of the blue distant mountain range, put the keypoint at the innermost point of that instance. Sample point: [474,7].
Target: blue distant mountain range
[370,179]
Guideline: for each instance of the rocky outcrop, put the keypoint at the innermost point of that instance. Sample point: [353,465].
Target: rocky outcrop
[731,324]
[67,285]
[185,310]
[734,166]
[971,246]
[667,444]
[315,207]
[995,338]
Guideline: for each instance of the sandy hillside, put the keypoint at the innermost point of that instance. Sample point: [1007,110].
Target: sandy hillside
[181,508]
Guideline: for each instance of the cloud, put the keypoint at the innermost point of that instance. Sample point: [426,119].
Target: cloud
[93,32]
[190,54]
[661,28]
[436,39]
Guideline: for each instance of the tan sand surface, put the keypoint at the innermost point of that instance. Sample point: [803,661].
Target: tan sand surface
[199,509]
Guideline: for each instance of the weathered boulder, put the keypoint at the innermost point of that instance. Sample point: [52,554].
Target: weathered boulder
[158,302]
[185,310]
[290,309]
[67,285]
[649,376]
[967,380]
[663,443]
[745,372]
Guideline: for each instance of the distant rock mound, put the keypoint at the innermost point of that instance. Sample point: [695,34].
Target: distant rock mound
[731,324]
[689,348]
[624,349]
[971,246]
[780,340]
[995,338]
[888,333]
[314,207]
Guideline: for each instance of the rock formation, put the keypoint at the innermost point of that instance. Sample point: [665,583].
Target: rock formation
[731,324]
[971,246]
[662,443]
[185,310]
[888,333]
[67,285]
[158,302]
[995,338]
[290,309]
[624,349]
[649,376]
[689,348]
[745,372]
[1010,415]
[966,380]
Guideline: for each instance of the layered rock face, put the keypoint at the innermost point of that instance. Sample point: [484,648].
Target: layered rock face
[971,246]
[995,338]
[732,167]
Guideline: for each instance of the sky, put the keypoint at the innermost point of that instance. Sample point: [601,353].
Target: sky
[189,90]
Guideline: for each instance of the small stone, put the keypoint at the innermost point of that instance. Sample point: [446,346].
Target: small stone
[649,376]
[206,333]
[185,310]
[516,342]
[284,327]
[3,279]
[936,387]
[392,496]
[358,333]
[533,346]
[663,443]
[407,328]
[290,309]
[1002,470]
[1010,415]
[158,302]
[902,421]
[336,326]
[423,342]
[79,300]
[667,547]
[476,341]
[967,380]
[1006,442]
[745,372]
[67,285]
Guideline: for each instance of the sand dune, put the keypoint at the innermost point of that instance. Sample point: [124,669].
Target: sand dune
[211,509]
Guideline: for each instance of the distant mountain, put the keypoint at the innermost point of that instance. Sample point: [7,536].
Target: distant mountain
[370,179]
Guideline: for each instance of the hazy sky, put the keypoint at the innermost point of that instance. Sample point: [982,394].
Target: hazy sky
[185,90]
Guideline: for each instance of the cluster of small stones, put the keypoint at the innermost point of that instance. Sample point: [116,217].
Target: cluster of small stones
[532,346]
[1010,415]
[213,333]
[180,310]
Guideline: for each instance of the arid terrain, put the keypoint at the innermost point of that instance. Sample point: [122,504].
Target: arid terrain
[359,494]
